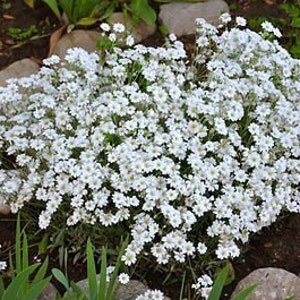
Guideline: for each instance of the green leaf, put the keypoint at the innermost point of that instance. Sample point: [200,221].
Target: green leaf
[295,23]
[245,293]
[68,6]
[25,252]
[217,288]
[102,285]
[84,9]
[53,5]
[18,246]
[61,278]
[25,260]
[91,271]
[116,270]
[144,11]
[18,283]
[87,21]
[36,290]
[43,244]
[41,272]
[2,288]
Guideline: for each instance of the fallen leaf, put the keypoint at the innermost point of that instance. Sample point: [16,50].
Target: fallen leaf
[30,3]
[37,60]
[55,37]
[270,2]
[8,17]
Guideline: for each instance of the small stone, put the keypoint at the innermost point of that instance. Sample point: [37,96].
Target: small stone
[179,17]
[4,209]
[272,284]
[49,292]
[139,32]
[85,39]
[19,69]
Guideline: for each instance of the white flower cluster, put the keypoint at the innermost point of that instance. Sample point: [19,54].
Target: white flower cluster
[151,295]
[203,286]
[186,153]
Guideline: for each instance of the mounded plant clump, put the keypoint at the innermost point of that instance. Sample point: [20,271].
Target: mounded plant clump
[193,154]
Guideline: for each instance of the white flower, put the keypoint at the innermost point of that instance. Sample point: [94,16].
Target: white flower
[118,27]
[267,26]
[225,18]
[240,21]
[105,27]
[129,40]
[3,265]
[123,278]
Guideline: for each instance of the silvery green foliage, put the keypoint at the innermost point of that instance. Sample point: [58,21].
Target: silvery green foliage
[208,149]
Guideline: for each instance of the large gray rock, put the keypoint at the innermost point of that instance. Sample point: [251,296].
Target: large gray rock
[129,291]
[85,39]
[140,32]
[19,69]
[49,292]
[179,17]
[272,284]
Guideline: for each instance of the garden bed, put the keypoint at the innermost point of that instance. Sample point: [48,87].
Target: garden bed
[276,246]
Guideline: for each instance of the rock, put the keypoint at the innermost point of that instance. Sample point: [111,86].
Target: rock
[49,292]
[4,209]
[140,32]
[272,284]
[179,17]
[19,69]
[130,290]
[85,39]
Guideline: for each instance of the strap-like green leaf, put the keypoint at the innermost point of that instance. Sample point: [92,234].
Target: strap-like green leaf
[41,272]
[91,271]
[116,270]
[143,10]
[54,7]
[18,246]
[2,288]
[36,290]
[217,288]
[18,283]
[61,278]
[102,285]
[245,293]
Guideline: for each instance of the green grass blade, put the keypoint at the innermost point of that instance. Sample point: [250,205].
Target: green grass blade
[36,289]
[53,5]
[18,283]
[217,288]
[41,272]
[25,252]
[18,246]
[245,293]
[182,286]
[102,285]
[116,270]
[59,275]
[91,271]
[2,288]
[25,261]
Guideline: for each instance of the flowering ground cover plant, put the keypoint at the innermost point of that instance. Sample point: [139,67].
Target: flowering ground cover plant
[193,155]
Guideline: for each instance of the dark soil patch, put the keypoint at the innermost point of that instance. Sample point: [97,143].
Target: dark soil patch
[15,15]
